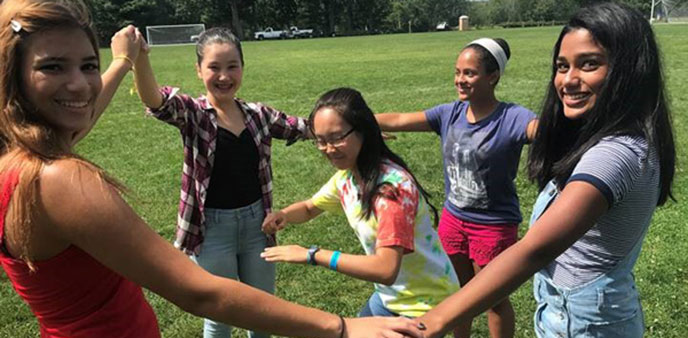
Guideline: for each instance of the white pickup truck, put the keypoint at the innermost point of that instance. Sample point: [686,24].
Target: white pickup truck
[300,33]
[270,33]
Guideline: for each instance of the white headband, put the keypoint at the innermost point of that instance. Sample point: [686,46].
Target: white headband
[495,49]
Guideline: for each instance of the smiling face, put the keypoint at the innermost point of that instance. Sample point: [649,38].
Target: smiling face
[61,78]
[221,71]
[329,128]
[581,69]
[470,79]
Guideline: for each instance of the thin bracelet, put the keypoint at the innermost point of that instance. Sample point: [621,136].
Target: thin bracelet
[341,333]
[124,57]
[333,260]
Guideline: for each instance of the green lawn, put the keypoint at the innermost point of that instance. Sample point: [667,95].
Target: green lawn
[405,72]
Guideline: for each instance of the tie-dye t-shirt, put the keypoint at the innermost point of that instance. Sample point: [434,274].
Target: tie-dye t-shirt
[401,218]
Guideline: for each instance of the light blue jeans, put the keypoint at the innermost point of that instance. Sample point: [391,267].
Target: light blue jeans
[375,307]
[608,306]
[231,248]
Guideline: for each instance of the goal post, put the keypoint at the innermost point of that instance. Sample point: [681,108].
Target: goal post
[173,34]
[669,11]
[677,11]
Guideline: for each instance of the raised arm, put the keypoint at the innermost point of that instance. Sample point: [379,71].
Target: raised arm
[556,230]
[125,48]
[146,84]
[403,121]
[98,221]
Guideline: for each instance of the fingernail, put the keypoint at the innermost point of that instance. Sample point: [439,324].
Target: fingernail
[421,326]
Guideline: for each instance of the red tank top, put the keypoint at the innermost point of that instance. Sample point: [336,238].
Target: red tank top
[72,295]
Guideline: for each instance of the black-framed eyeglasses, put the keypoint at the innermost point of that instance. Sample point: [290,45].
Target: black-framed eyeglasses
[335,142]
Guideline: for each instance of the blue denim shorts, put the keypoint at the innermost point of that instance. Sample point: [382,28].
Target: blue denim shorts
[610,310]
[608,306]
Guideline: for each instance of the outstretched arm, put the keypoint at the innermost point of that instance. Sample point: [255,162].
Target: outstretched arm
[296,213]
[531,130]
[99,221]
[403,121]
[552,234]
[381,267]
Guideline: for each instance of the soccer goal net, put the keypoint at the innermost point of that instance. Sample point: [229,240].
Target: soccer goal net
[671,11]
[173,34]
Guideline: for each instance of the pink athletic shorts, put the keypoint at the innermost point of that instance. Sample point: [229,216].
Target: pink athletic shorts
[479,242]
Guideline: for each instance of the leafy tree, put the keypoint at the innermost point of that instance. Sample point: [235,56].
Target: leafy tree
[330,16]
[111,15]
[311,14]
[236,23]
[550,10]
[423,15]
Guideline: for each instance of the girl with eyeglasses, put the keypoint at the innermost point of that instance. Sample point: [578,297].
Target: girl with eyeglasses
[385,205]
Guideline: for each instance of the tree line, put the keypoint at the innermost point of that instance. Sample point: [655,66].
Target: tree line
[332,17]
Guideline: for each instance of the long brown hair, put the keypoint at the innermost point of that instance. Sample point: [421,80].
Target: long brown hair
[27,142]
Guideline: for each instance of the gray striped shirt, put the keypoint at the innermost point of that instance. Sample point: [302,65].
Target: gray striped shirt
[626,170]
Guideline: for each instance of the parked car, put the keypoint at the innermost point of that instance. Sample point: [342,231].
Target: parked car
[300,33]
[270,33]
[443,26]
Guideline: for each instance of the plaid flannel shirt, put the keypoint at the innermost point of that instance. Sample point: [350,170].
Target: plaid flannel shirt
[197,122]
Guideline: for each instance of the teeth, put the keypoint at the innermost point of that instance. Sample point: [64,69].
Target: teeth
[73,104]
[577,96]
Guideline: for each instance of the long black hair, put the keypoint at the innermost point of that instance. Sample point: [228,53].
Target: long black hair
[353,109]
[631,101]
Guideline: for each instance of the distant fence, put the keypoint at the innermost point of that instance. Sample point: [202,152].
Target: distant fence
[515,24]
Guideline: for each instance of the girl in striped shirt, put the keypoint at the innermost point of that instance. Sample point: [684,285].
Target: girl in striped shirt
[604,158]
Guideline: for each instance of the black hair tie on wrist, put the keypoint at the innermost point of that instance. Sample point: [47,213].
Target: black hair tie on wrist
[341,333]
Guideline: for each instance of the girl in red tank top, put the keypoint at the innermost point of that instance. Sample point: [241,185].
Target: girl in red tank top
[72,294]
[70,245]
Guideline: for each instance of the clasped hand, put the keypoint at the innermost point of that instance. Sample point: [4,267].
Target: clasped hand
[128,43]
[274,221]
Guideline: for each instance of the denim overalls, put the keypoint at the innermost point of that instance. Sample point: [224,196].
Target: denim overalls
[608,306]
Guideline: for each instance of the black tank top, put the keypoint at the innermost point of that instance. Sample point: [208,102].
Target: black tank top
[234,182]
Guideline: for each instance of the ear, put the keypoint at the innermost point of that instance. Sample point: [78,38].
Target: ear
[198,71]
[494,77]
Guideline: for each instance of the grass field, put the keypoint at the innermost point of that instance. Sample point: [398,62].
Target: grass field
[405,72]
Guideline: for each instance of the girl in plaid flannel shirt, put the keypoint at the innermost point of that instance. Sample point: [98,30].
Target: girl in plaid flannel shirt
[226,180]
